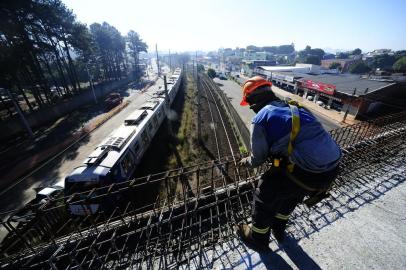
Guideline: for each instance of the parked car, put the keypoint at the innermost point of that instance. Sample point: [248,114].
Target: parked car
[6,103]
[6,98]
[159,93]
[320,103]
[56,92]
[112,100]
[221,76]
[27,213]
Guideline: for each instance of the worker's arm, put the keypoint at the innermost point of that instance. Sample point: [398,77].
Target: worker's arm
[259,146]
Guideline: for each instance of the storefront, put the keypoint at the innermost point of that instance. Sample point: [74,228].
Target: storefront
[320,92]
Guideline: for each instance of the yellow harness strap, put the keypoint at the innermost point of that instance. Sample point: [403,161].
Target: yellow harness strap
[294,108]
[294,132]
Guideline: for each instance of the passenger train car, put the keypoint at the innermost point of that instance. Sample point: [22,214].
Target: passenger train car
[116,158]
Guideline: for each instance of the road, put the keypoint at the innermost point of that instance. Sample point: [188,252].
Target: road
[233,91]
[62,166]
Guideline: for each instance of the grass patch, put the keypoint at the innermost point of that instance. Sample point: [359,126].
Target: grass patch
[243,150]
[187,151]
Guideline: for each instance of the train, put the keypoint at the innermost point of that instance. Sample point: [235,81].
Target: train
[116,158]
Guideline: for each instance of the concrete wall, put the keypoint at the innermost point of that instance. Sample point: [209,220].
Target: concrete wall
[13,126]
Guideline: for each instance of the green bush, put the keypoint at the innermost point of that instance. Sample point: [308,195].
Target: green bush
[400,65]
[359,68]
[211,73]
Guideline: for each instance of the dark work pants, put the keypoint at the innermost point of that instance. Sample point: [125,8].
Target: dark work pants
[276,195]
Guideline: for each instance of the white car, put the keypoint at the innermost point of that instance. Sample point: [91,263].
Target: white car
[27,213]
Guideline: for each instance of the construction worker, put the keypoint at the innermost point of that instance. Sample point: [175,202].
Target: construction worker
[304,157]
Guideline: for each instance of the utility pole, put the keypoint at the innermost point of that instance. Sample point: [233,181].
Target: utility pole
[193,67]
[196,63]
[166,91]
[20,113]
[170,64]
[157,59]
[348,107]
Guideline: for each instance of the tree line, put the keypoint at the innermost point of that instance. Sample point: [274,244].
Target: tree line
[282,49]
[389,62]
[45,53]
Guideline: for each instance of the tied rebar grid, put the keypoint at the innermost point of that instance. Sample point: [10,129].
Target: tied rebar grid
[186,228]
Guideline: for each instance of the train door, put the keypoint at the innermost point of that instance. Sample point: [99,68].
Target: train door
[151,129]
[136,150]
[159,115]
[144,139]
[123,169]
[127,165]
[155,121]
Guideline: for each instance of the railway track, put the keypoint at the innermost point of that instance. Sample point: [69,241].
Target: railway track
[222,141]
[225,142]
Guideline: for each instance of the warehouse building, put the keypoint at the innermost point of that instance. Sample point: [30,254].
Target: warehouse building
[360,96]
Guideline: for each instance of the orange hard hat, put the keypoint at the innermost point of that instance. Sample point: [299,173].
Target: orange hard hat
[250,86]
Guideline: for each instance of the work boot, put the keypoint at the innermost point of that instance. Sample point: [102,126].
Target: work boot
[278,230]
[256,241]
[279,235]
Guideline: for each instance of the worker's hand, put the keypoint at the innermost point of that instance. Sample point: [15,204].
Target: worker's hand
[245,161]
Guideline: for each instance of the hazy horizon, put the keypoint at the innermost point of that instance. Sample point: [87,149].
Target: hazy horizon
[181,25]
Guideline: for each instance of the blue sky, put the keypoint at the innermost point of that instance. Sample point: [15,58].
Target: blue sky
[182,25]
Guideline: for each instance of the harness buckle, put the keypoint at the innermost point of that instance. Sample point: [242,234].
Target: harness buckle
[276,162]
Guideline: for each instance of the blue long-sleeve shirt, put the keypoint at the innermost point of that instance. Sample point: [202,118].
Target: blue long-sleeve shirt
[313,149]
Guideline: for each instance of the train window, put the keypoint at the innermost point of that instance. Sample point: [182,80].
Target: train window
[144,137]
[136,147]
[150,127]
[159,113]
[156,120]
[128,164]
[116,173]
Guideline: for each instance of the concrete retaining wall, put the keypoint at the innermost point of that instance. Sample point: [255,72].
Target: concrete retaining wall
[13,126]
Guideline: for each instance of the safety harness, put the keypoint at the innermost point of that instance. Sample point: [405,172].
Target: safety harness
[319,194]
[294,109]
[293,133]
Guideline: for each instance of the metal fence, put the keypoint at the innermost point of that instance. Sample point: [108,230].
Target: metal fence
[370,129]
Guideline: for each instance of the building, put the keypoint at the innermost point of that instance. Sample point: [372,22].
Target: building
[360,96]
[344,63]
[379,52]
[329,56]
[255,56]
[248,67]
[267,71]
[301,68]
